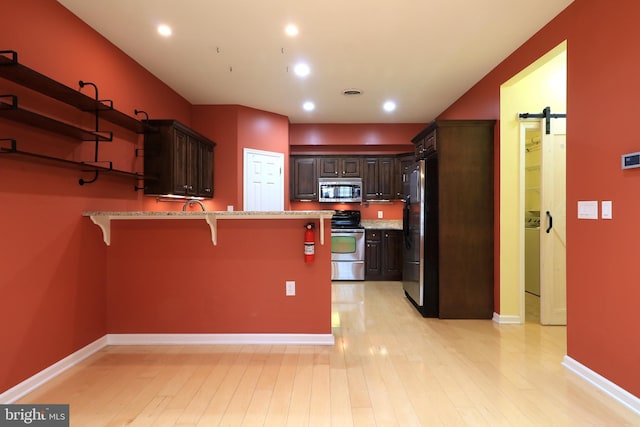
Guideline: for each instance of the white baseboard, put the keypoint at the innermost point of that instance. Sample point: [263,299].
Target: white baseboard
[31,383]
[194,339]
[603,384]
[506,319]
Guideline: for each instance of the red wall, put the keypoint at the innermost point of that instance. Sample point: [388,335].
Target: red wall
[220,123]
[234,128]
[603,84]
[375,138]
[368,211]
[54,271]
[261,130]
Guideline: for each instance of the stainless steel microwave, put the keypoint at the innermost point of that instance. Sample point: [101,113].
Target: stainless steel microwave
[339,190]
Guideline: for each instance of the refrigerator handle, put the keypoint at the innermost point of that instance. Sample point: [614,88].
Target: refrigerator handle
[405,222]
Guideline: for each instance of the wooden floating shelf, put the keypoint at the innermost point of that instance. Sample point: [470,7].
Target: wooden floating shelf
[12,70]
[84,166]
[17,114]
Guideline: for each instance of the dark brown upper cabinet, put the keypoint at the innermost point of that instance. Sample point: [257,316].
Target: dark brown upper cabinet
[304,178]
[340,167]
[379,179]
[177,160]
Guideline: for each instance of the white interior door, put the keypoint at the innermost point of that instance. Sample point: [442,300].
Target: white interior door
[553,273]
[263,180]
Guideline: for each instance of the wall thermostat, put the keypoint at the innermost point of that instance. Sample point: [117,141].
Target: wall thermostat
[631,160]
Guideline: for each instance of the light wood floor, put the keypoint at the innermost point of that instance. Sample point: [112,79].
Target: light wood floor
[389,367]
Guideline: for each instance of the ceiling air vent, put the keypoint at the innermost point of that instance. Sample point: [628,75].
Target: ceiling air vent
[351,92]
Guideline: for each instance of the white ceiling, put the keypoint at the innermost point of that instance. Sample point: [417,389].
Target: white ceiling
[423,54]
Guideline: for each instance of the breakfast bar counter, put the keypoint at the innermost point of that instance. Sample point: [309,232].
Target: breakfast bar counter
[103,219]
[164,280]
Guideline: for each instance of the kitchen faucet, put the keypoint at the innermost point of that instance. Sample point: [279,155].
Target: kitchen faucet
[192,202]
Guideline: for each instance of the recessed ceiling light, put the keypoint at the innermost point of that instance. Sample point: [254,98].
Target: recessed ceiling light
[389,106]
[164,30]
[301,69]
[291,30]
[309,106]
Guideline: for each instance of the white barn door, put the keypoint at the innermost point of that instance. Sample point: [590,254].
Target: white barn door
[553,226]
[263,180]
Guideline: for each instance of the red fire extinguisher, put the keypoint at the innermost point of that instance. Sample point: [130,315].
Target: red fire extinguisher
[309,242]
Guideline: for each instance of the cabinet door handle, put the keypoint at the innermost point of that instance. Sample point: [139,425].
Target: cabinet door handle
[550,222]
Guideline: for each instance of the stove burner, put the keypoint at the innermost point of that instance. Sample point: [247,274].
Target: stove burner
[346,219]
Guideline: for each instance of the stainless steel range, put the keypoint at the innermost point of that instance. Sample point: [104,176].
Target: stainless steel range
[347,246]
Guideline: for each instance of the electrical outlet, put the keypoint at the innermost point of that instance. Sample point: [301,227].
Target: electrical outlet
[290,288]
[380,214]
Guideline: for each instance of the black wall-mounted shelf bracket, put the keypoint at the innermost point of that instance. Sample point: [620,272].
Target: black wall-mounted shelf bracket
[12,70]
[137,112]
[94,179]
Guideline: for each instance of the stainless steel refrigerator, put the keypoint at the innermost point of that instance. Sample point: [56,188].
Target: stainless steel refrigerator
[420,228]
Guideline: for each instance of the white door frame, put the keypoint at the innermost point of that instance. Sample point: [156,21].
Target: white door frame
[245,157]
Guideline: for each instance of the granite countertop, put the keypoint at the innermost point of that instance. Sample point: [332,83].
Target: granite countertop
[202,214]
[382,224]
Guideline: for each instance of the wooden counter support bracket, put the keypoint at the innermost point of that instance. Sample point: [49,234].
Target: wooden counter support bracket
[103,219]
[104,222]
[212,221]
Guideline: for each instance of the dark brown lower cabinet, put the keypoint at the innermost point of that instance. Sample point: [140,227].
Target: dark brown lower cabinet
[383,255]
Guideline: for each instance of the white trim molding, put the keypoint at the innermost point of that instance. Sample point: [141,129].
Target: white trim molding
[47,374]
[195,339]
[507,319]
[603,384]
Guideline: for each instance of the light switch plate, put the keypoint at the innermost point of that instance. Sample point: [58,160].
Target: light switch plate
[588,209]
[607,209]
[380,214]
